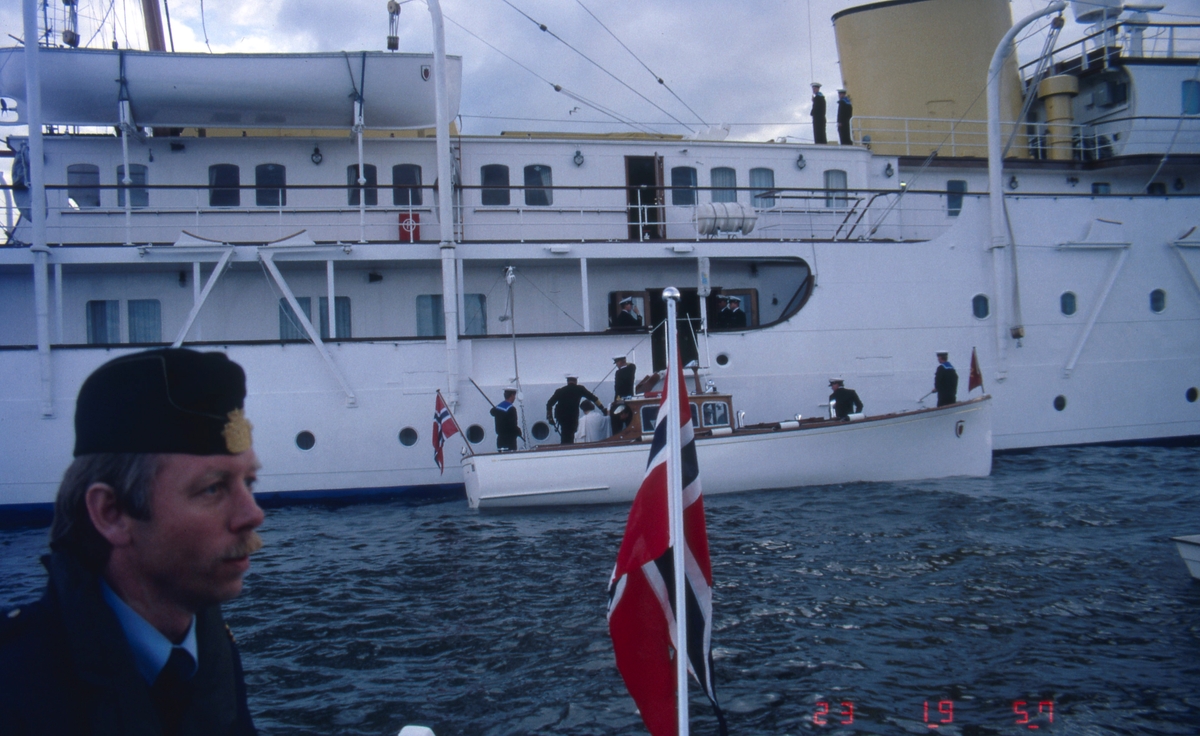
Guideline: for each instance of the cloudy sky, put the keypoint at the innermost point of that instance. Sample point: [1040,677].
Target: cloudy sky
[743,63]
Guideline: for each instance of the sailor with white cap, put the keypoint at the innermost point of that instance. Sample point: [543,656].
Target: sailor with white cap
[736,317]
[624,379]
[628,316]
[843,401]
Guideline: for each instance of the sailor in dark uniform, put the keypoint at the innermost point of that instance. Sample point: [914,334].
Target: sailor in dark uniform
[845,111]
[624,379]
[945,380]
[844,400]
[736,318]
[153,528]
[563,408]
[721,316]
[507,427]
[627,317]
[818,114]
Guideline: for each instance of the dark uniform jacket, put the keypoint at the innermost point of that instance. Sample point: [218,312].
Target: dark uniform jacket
[66,668]
[945,382]
[627,319]
[565,404]
[624,379]
[507,427]
[845,402]
[818,116]
[845,112]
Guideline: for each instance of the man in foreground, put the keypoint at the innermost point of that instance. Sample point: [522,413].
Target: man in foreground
[153,527]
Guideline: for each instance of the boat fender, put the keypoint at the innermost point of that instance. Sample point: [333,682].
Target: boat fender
[416,731]
[856,417]
[789,425]
[722,432]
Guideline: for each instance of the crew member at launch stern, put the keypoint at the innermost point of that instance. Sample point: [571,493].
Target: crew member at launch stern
[624,378]
[153,528]
[507,427]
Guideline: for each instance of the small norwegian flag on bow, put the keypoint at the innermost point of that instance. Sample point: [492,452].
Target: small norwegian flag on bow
[444,427]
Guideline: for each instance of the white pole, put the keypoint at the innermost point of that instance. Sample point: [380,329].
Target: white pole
[37,204]
[999,225]
[675,496]
[445,194]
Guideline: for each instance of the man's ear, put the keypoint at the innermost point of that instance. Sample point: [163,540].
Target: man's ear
[109,519]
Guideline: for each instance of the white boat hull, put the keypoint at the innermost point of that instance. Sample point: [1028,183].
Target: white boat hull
[1189,550]
[933,443]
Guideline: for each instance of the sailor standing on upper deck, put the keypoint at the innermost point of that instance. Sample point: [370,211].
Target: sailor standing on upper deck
[945,380]
[628,316]
[845,111]
[818,114]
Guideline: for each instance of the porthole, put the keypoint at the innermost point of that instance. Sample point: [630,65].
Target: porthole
[475,434]
[540,431]
[980,306]
[1066,303]
[305,440]
[1060,402]
[722,359]
[408,436]
[1158,301]
[1191,395]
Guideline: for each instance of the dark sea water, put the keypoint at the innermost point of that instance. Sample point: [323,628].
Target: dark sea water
[911,605]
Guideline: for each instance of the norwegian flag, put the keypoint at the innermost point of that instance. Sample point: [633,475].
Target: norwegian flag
[641,606]
[444,427]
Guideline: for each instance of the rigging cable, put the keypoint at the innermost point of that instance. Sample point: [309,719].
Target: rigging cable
[557,88]
[647,68]
[204,27]
[1174,139]
[170,33]
[558,38]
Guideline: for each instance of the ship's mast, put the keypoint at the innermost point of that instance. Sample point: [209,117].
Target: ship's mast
[154,25]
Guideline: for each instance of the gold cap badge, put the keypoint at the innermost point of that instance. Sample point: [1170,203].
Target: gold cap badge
[237,432]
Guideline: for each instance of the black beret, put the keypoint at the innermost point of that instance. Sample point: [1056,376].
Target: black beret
[170,400]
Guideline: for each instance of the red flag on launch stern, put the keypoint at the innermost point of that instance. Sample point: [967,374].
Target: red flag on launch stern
[976,378]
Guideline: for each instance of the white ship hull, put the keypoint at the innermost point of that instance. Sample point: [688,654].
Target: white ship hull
[934,443]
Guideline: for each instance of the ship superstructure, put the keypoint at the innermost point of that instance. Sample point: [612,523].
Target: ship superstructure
[300,231]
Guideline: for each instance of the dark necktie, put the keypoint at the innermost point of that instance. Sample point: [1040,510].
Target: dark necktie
[172,691]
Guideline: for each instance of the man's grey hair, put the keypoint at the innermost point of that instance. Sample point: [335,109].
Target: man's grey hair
[130,475]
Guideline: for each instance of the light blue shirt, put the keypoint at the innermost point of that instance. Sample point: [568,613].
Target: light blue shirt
[150,648]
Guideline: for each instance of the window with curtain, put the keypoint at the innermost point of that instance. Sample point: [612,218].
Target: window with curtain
[431,319]
[371,188]
[223,183]
[494,178]
[290,327]
[406,185]
[341,316]
[270,182]
[836,194]
[139,195]
[145,320]
[538,176]
[955,189]
[103,322]
[83,185]
[724,183]
[683,186]
[762,183]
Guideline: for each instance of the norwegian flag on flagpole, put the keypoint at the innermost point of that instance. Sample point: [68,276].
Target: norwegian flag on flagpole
[444,427]
[975,380]
[641,610]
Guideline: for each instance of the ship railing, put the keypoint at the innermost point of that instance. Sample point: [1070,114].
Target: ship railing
[1129,38]
[1100,139]
[159,214]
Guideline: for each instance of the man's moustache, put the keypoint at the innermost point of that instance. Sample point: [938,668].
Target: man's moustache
[247,546]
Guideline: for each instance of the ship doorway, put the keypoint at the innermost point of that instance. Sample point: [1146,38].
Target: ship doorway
[687,325]
[644,196]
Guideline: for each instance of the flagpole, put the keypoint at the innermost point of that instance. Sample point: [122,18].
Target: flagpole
[466,441]
[675,496]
